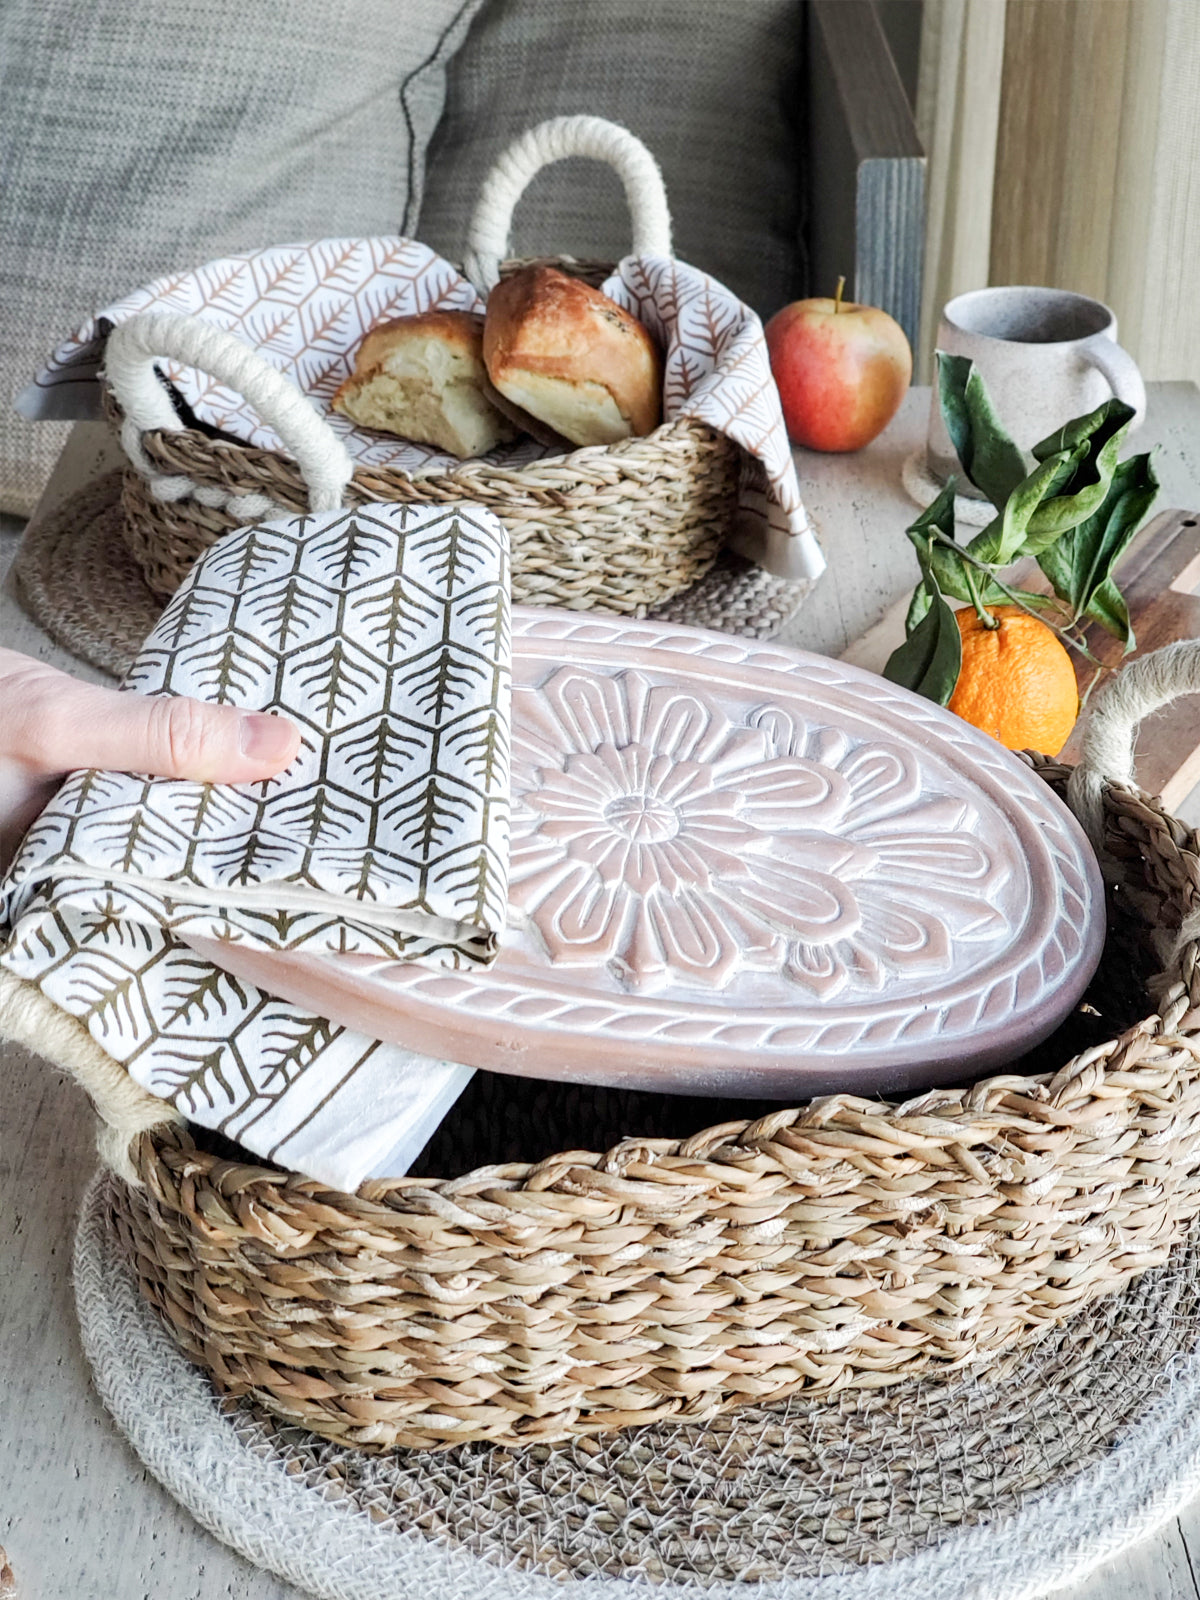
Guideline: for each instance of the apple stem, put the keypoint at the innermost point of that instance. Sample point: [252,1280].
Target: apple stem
[837,299]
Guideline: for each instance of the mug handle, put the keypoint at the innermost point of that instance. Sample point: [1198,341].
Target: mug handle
[1121,371]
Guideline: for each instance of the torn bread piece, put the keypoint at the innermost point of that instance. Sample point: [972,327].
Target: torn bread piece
[420,377]
[571,357]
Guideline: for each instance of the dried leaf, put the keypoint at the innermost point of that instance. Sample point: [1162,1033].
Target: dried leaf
[1081,562]
[1092,444]
[1008,535]
[989,456]
[929,660]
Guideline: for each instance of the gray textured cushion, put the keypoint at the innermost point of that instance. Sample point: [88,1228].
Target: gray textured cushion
[138,136]
[711,86]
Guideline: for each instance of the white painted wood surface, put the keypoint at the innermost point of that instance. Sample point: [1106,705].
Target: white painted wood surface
[79,1516]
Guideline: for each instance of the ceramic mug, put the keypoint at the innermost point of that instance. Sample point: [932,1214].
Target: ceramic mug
[1046,355]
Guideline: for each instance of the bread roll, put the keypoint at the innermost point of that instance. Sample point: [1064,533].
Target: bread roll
[566,354]
[420,377]
[525,421]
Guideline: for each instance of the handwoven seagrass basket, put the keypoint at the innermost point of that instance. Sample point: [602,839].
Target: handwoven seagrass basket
[621,527]
[847,1242]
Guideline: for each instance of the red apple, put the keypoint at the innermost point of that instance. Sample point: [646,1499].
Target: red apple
[842,371]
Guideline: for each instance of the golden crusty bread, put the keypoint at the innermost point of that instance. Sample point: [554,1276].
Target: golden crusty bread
[568,355]
[420,377]
[524,421]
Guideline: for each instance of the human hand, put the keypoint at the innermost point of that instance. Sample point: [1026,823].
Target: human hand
[51,724]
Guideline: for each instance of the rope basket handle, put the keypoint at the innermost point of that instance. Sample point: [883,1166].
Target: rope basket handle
[1109,734]
[555,140]
[124,1108]
[133,350]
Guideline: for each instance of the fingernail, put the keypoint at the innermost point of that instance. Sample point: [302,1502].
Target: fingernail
[265,738]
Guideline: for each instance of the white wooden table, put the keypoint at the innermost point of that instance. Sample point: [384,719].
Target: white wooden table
[79,1516]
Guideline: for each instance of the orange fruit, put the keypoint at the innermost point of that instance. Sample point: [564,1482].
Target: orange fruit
[1016,682]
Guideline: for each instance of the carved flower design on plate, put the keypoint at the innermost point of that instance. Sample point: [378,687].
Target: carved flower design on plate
[654,835]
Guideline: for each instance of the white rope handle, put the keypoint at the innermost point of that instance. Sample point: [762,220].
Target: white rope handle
[487,236]
[132,351]
[1109,733]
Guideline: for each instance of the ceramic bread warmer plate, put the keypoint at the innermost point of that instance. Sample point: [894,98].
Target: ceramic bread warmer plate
[742,870]
[753,870]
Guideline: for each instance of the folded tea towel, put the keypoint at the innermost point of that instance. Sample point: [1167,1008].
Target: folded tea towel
[384,633]
[290,1086]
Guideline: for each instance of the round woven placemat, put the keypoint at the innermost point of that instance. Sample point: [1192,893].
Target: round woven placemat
[1001,1485]
[80,582]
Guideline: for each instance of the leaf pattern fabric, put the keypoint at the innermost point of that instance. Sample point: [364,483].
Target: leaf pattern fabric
[307,307]
[385,634]
[717,371]
[290,1086]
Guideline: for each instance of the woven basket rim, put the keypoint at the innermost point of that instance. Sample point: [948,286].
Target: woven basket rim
[681,426]
[703,433]
[385,1196]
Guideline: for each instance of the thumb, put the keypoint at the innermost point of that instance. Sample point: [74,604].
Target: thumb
[166,736]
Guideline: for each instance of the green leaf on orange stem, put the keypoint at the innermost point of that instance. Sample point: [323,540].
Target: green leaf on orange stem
[1035,601]
[938,516]
[1008,534]
[955,574]
[1080,563]
[917,607]
[1092,444]
[932,536]
[989,456]
[1108,606]
[929,660]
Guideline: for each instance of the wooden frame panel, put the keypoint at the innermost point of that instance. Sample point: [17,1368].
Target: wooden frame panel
[865,172]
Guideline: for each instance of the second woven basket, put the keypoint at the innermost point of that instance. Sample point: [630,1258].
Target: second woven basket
[622,527]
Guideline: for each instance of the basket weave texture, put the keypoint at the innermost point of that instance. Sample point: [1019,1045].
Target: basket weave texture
[1022,1475]
[621,527]
[846,1243]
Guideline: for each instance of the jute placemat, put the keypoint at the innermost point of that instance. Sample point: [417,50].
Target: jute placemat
[1002,1485]
[79,580]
